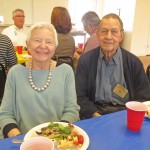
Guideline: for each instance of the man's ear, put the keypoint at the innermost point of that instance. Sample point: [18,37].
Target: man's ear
[122,36]
[13,18]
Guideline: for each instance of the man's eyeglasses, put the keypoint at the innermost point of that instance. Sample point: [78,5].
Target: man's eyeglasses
[20,16]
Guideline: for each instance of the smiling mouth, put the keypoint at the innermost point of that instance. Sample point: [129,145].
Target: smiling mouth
[108,43]
[42,52]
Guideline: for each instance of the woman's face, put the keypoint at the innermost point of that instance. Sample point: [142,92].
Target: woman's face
[41,44]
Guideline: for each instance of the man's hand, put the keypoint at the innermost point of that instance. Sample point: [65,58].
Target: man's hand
[79,51]
[76,56]
[96,114]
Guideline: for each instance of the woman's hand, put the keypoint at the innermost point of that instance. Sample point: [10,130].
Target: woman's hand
[13,132]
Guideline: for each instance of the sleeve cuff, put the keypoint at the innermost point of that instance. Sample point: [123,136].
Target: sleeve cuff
[9,127]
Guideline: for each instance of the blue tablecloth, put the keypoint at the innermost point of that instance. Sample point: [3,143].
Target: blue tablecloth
[108,132]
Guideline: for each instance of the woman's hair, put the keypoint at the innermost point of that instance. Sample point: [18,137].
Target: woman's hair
[43,25]
[90,17]
[61,20]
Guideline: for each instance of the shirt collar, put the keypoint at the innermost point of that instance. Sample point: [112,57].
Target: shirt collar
[17,28]
[116,57]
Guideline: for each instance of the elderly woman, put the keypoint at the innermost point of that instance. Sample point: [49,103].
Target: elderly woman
[39,91]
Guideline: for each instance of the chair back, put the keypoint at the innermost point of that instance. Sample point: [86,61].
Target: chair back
[63,59]
[148,72]
[2,81]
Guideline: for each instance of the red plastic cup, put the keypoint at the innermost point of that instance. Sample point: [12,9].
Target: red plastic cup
[19,49]
[135,115]
[80,45]
[37,143]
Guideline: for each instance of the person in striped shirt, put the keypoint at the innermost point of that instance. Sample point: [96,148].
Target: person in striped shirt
[7,53]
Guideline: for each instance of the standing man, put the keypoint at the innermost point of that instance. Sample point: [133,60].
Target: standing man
[17,32]
[109,76]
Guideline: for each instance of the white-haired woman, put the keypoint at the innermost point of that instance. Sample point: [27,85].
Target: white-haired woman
[39,91]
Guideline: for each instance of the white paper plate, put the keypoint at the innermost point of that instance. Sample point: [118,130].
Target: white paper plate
[32,133]
[147,103]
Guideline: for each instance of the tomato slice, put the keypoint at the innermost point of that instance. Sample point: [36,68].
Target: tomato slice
[75,143]
[80,139]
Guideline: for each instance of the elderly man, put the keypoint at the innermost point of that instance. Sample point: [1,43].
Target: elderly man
[17,32]
[109,76]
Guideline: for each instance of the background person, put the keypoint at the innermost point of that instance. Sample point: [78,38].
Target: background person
[7,60]
[32,92]
[90,22]
[17,32]
[61,20]
[7,54]
[109,76]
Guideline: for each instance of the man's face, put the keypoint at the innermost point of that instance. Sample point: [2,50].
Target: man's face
[88,28]
[110,35]
[19,19]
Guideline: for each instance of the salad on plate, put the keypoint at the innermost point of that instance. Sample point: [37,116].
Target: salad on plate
[65,135]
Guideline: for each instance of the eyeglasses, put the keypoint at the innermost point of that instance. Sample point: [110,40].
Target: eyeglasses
[20,16]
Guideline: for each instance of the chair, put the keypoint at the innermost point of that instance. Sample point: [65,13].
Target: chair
[2,81]
[148,72]
[63,59]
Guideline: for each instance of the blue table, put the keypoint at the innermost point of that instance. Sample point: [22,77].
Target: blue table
[108,132]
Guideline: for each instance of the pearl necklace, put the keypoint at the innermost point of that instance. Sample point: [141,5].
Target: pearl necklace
[33,84]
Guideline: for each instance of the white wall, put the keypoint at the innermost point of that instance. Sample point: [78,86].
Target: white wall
[124,8]
[35,10]
[42,8]
[7,6]
[140,41]
[126,43]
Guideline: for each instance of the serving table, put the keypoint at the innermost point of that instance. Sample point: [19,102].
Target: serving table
[108,132]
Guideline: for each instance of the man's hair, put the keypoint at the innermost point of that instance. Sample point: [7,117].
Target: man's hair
[16,10]
[90,17]
[114,16]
